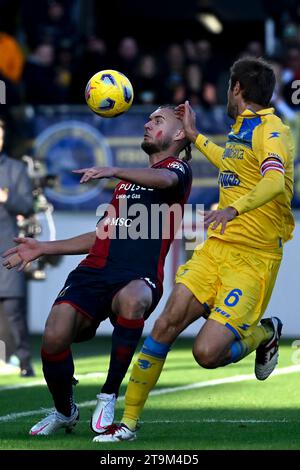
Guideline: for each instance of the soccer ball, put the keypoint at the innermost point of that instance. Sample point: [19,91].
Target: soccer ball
[109,93]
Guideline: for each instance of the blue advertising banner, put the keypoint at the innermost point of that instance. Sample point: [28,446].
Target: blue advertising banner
[70,138]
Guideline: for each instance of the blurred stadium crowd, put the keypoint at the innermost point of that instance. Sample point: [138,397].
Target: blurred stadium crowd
[45,60]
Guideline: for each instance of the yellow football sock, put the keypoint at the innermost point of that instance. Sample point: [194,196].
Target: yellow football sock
[145,373]
[242,348]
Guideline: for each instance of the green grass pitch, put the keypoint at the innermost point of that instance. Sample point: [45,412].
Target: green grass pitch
[196,409]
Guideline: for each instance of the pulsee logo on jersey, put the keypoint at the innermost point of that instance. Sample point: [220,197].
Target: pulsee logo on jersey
[130,191]
[133,187]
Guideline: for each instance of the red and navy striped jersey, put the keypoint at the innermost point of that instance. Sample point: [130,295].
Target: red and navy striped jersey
[140,226]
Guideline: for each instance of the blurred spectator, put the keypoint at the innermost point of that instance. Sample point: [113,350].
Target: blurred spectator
[194,84]
[209,95]
[48,21]
[292,64]
[148,83]
[58,27]
[278,100]
[128,58]
[203,52]
[93,59]
[39,77]
[291,34]
[189,69]
[15,198]
[190,50]
[174,90]
[210,71]
[175,58]
[254,49]
[63,74]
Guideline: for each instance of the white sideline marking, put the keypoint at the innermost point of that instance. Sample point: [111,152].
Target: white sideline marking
[216,421]
[164,391]
[211,420]
[91,375]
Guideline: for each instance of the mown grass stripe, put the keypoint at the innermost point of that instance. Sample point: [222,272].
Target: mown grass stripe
[163,391]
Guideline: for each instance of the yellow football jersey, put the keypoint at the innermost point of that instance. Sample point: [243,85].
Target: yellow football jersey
[258,142]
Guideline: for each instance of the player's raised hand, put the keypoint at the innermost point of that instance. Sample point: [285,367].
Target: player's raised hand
[188,117]
[27,249]
[95,173]
[219,216]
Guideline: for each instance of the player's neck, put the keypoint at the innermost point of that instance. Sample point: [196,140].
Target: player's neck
[249,105]
[158,157]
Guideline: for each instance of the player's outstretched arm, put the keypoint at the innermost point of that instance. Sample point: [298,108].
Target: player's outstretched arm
[212,151]
[159,178]
[269,187]
[29,249]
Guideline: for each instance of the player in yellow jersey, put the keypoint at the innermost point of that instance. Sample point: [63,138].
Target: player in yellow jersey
[231,276]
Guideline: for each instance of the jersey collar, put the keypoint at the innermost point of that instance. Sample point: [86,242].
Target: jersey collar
[248,112]
[160,161]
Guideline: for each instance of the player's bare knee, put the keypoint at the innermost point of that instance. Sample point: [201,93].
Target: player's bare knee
[54,342]
[205,357]
[132,308]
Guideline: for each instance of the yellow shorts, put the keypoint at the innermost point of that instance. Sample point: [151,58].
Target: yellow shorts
[235,282]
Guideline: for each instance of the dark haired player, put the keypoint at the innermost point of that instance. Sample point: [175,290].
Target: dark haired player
[121,278]
[233,273]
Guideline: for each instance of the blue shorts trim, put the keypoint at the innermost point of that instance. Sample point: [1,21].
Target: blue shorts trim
[234,331]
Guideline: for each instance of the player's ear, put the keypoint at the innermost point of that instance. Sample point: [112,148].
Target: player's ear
[237,88]
[179,134]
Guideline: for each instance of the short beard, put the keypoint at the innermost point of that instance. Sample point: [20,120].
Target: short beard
[150,148]
[232,111]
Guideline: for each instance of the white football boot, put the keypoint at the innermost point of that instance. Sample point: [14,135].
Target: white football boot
[116,433]
[267,353]
[104,413]
[54,421]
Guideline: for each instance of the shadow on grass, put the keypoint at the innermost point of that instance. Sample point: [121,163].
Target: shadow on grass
[180,429]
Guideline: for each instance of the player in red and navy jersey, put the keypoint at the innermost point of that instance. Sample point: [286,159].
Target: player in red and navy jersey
[121,277]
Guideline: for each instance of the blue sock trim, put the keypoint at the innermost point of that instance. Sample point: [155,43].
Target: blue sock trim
[154,348]
[237,351]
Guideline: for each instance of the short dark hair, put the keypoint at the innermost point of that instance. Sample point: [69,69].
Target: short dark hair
[256,78]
